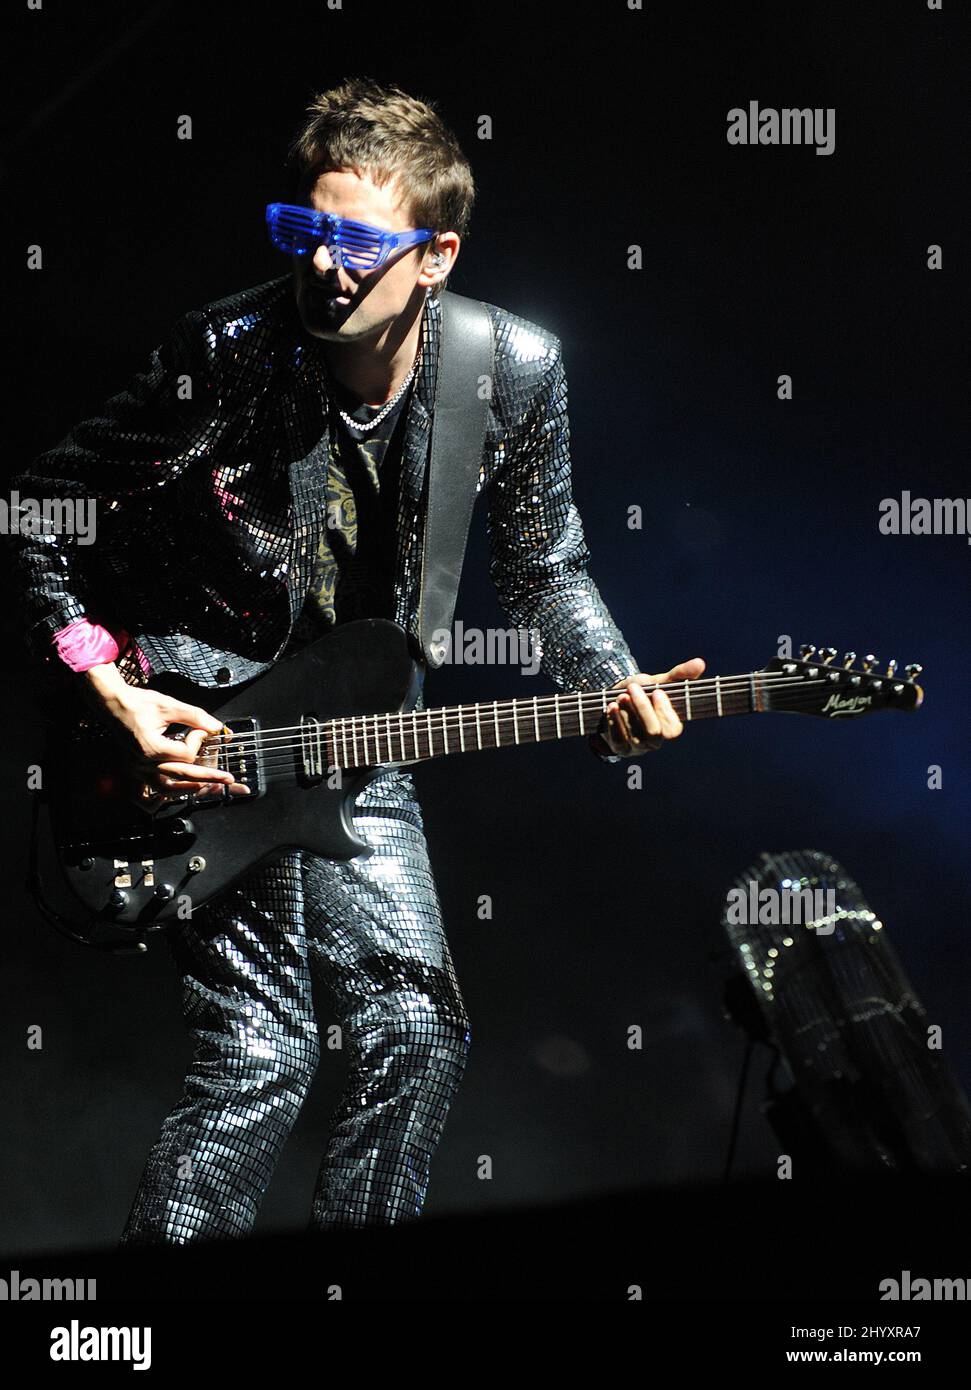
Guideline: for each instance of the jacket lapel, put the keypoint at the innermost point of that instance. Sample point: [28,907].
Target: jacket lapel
[414,460]
[418,424]
[307,433]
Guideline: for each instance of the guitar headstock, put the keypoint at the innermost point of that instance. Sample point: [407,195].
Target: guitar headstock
[812,684]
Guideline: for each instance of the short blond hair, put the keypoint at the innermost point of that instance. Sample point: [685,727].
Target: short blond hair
[385,133]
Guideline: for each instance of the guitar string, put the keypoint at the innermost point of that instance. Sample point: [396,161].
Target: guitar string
[280,764]
[458,719]
[276,771]
[708,682]
[543,705]
[377,730]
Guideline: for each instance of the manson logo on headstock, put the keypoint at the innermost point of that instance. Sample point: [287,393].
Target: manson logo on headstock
[846,704]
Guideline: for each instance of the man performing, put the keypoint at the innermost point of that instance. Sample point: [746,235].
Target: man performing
[206,563]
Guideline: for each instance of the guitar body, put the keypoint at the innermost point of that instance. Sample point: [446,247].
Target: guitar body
[122,865]
[306,738]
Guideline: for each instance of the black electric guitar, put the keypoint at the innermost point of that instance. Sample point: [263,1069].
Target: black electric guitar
[305,738]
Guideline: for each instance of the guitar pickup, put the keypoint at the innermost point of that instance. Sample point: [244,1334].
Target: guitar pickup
[312,768]
[241,755]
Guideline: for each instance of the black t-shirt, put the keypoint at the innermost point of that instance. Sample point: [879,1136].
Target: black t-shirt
[353,570]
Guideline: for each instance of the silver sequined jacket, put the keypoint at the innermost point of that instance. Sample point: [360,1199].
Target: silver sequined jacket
[206,476]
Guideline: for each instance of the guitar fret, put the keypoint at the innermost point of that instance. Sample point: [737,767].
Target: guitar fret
[366,740]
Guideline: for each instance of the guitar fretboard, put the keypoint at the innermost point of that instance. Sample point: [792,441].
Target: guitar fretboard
[364,740]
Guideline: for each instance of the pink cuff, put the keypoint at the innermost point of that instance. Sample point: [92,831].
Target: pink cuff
[83,644]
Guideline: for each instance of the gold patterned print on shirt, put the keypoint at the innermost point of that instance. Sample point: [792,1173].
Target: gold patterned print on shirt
[337,559]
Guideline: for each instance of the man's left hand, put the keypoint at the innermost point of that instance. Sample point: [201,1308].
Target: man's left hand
[636,722]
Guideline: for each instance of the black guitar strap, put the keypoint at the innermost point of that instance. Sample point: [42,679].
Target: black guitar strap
[462,392]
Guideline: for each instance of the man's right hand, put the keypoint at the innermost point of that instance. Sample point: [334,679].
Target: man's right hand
[164,768]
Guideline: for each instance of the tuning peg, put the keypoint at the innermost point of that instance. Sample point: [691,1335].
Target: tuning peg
[891,667]
[827,654]
[868,662]
[806,652]
[848,660]
[913,670]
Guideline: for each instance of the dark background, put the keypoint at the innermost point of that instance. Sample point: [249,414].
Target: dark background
[760,518]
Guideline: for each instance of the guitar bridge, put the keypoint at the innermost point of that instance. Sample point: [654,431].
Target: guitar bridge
[241,755]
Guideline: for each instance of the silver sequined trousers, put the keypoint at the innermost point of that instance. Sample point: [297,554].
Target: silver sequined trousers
[368,931]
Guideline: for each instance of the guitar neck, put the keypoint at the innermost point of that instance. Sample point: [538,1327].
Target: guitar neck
[363,740]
